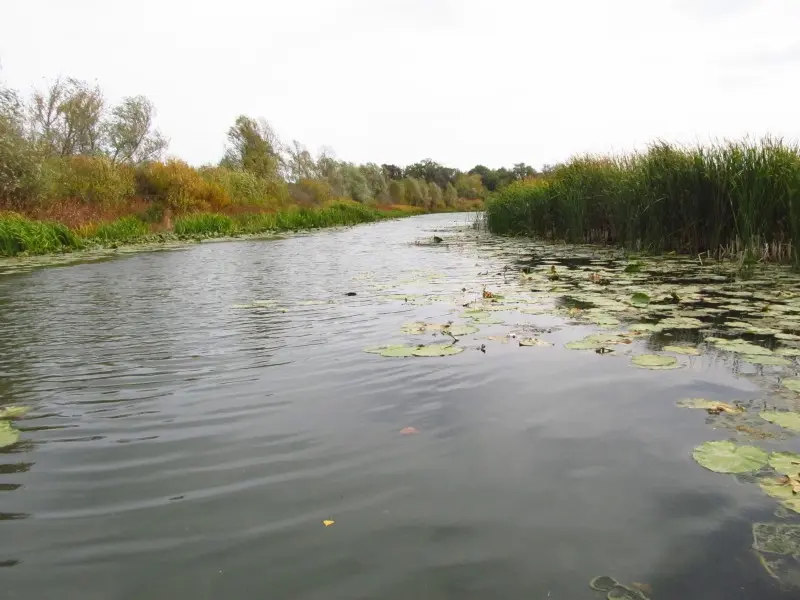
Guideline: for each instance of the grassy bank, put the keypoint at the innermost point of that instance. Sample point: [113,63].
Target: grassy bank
[733,198]
[23,235]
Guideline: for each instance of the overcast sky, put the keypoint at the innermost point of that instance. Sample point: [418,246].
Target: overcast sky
[460,81]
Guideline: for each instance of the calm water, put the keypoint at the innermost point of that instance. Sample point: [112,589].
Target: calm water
[182,448]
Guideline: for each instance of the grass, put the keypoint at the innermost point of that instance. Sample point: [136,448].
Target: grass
[738,198]
[21,235]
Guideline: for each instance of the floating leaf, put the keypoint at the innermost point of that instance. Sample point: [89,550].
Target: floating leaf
[640,299]
[681,323]
[688,350]
[790,337]
[533,342]
[436,350]
[414,327]
[785,463]
[792,383]
[14,412]
[712,406]
[603,583]
[381,349]
[742,347]
[398,351]
[487,320]
[655,362]
[644,327]
[777,488]
[621,592]
[727,457]
[775,361]
[328,522]
[788,351]
[788,420]
[8,435]
[777,538]
[584,345]
[460,329]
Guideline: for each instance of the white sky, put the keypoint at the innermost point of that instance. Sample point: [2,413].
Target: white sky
[461,81]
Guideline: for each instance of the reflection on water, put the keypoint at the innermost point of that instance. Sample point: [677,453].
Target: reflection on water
[179,447]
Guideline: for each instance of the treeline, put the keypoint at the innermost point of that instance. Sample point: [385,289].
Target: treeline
[67,143]
[734,198]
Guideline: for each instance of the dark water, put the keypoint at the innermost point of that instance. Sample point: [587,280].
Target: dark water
[182,448]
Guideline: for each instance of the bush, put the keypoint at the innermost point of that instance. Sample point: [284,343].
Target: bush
[246,189]
[312,191]
[180,187]
[90,179]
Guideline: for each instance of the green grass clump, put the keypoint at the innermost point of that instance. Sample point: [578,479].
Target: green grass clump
[126,229]
[20,235]
[731,198]
[205,224]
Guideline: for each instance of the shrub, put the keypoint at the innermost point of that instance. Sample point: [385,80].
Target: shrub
[90,179]
[180,187]
[312,191]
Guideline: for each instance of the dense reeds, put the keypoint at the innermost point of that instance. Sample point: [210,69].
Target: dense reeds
[21,235]
[731,198]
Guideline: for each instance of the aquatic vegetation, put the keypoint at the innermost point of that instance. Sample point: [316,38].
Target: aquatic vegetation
[727,457]
[13,412]
[777,538]
[20,235]
[655,362]
[397,351]
[712,406]
[459,330]
[780,489]
[533,342]
[437,350]
[775,361]
[8,435]
[614,590]
[785,463]
[791,383]
[785,419]
[742,347]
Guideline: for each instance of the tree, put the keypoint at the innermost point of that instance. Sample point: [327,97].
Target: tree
[450,195]
[431,171]
[397,191]
[299,163]
[77,128]
[435,199]
[392,172]
[131,137]
[379,189]
[253,147]
[523,171]
[470,186]
[355,184]
[487,175]
[17,161]
[413,192]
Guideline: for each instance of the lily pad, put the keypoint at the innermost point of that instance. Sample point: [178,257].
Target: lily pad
[622,592]
[791,383]
[640,299]
[437,350]
[688,350]
[8,435]
[603,583]
[644,327]
[727,457]
[788,420]
[742,347]
[487,320]
[790,337]
[681,323]
[460,329]
[785,463]
[655,362]
[398,351]
[775,361]
[533,342]
[777,488]
[788,351]
[777,538]
[14,412]
[584,345]
[714,406]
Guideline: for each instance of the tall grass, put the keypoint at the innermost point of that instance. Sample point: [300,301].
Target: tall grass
[20,235]
[736,197]
[124,230]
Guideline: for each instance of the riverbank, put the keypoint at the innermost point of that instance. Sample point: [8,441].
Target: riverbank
[21,235]
[732,199]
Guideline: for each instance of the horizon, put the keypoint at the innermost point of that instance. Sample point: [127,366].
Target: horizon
[523,93]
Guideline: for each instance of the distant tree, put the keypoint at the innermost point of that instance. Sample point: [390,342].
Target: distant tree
[488,177]
[17,161]
[431,171]
[413,192]
[392,171]
[252,147]
[397,191]
[300,164]
[523,171]
[376,180]
[450,195]
[131,136]
[355,184]
[470,186]
[435,196]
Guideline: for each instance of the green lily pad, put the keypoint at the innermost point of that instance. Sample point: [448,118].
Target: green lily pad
[533,342]
[789,337]
[584,345]
[788,351]
[437,350]
[640,299]
[460,329]
[603,583]
[603,320]
[681,323]
[791,383]
[742,347]
[777,538]
[655,362]
[8,435]
[14,412]
[644,327]
[787,420]
[688,350]
[398,351]
[775,361]
[487,320]
[785,463]
[727,457]
[777,489]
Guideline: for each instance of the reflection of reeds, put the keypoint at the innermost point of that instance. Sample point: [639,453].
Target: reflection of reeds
[19,234]
[735,198]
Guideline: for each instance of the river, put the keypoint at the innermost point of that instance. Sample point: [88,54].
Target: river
[196,414]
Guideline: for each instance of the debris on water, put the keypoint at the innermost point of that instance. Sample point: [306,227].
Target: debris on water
[328,522]
[350,294]
[409,431]
[713,407]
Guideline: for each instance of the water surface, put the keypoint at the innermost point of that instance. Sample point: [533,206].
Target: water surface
[181,447]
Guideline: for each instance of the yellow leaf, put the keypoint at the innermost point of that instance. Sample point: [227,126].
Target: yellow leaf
[328,522]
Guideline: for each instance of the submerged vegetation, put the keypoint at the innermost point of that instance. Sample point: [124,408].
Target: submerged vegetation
[73,167]
[736,198]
